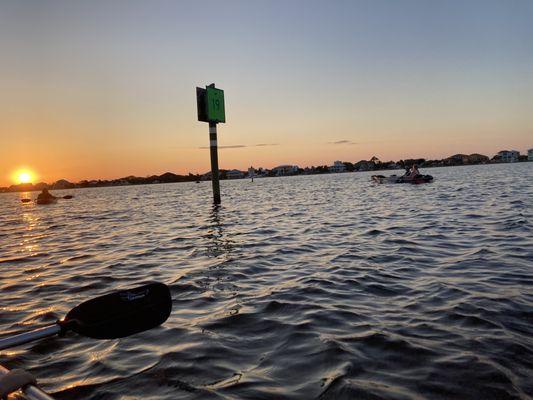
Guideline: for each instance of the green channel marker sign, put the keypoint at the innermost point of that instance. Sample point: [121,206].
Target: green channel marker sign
[215,105]
[210,103]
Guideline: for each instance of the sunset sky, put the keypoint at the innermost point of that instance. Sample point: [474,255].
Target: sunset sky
[105,89]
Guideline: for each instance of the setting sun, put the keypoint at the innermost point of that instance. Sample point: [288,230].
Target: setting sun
[23,176]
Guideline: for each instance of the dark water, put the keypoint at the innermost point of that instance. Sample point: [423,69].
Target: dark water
[317,287]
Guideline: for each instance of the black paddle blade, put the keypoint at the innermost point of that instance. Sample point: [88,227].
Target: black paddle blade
[122,313]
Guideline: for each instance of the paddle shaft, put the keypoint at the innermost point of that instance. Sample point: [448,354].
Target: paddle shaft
[29,336]
[112,316]
[31,392]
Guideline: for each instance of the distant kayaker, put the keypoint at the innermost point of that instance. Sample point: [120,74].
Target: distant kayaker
[45,196]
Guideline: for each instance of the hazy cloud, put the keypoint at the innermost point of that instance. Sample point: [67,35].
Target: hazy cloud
[231,146]
[239,146]
[343,142]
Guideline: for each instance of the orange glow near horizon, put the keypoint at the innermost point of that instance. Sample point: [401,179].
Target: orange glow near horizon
[23,175]
[86,98]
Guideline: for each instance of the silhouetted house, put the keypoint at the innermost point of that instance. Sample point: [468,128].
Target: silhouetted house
[509,155]
[40,186]
[283,170]
[22,187]
[234,174]
[256,173]
[207,175]
[338,166]
[168,177]
[364,165]
[391,165]
[62,184]
[261,172]
[530,155]
[477,159]
[457,159]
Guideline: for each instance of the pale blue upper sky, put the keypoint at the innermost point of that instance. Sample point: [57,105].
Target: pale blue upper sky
[108,86]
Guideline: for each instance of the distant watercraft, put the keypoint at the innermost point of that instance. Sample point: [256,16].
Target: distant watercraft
[51,200]
[48,200]
[402,179]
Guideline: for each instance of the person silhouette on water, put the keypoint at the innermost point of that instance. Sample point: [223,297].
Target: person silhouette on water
[45,195]
[413,172]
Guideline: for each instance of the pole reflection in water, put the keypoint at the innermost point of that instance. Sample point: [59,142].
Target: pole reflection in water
[222,249]
[219,242]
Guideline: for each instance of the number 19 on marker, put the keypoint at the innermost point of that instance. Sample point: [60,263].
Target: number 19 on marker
[215,105]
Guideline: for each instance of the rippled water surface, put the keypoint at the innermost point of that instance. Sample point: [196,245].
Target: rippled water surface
[311,287]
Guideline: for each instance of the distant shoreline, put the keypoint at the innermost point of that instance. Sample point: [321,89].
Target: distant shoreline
[168,177]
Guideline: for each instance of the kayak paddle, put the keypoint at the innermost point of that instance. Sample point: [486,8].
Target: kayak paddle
[115,315]
[66,197]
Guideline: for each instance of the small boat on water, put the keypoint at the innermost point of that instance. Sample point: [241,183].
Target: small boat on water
[49,200]
[46,201]
[401,179]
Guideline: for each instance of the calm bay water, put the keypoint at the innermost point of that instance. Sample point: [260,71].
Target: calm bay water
[313,287]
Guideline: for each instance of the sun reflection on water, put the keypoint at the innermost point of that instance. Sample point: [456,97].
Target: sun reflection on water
[29,243]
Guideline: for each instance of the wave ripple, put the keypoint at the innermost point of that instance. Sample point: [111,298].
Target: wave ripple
[313,287]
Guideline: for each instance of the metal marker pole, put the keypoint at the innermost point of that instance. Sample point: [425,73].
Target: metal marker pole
[214,161]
